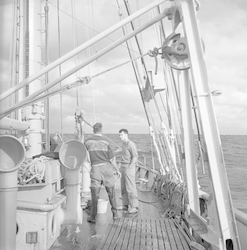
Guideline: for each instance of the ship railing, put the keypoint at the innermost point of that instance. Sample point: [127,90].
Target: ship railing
[240,217]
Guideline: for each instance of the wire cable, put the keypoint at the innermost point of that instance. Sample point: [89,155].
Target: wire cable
[87,25]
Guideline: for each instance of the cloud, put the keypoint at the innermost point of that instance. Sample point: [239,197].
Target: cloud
[225,39]
[113,96]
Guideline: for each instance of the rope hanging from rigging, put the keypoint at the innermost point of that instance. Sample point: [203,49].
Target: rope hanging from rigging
[134,65]
[79,121]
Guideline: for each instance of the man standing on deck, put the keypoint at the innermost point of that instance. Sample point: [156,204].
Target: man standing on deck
[102,162]
[128,184]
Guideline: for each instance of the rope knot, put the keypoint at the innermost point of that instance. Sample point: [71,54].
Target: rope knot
[154,52]
[84,80]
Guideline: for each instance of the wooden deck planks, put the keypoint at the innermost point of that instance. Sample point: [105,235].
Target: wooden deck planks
[160,238]
[132,235]
[145,230]
[152,209]
[126,234]
[170,235]
[175,235]
[154,233]
[165,235]
[149,239]
[138,233]
[117,225]
[181,237]
[143,234]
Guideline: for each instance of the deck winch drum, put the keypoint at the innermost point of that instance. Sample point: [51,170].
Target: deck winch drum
[12,155]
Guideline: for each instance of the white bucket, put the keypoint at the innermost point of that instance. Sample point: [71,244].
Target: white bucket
[102,206]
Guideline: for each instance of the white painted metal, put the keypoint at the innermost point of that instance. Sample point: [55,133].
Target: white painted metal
[12,124]
[241,219]
[72,155]
[12,154]
[221,216]
[34,65]
[190,161]
[45,225]
[45,26]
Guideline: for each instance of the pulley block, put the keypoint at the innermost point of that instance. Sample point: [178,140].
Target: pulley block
[175,52]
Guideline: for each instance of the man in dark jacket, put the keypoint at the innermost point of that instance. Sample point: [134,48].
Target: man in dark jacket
[102,170]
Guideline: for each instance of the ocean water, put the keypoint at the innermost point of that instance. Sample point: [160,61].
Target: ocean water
[235,157]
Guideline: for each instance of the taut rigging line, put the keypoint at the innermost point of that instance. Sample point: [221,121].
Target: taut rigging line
[142,60]
[135,66]
[79,82]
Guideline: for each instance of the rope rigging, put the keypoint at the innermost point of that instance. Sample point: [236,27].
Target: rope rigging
[170,137]
[75,43]
[170,188]
[142,60]
[89,52]
[60,66]
[134,65]
[79,82]
[167,139]
[15,49]
[161,156]
[153,54]
[46,79]
[79,112]
[85,80]
[97,32]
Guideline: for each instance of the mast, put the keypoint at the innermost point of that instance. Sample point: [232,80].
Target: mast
[221,224]
[32,62]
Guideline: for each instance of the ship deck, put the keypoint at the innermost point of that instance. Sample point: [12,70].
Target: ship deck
[147,229]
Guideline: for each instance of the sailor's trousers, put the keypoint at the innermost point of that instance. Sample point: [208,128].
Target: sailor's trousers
[128,186]
[102,174]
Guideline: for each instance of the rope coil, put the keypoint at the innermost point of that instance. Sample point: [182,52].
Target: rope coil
[32,171]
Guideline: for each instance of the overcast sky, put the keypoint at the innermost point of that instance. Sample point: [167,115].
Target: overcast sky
[113,98]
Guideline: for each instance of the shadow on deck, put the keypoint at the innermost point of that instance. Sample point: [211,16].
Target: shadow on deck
[145,230]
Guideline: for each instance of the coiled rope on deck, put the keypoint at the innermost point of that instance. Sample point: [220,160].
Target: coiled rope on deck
[32,171]
[171,191]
